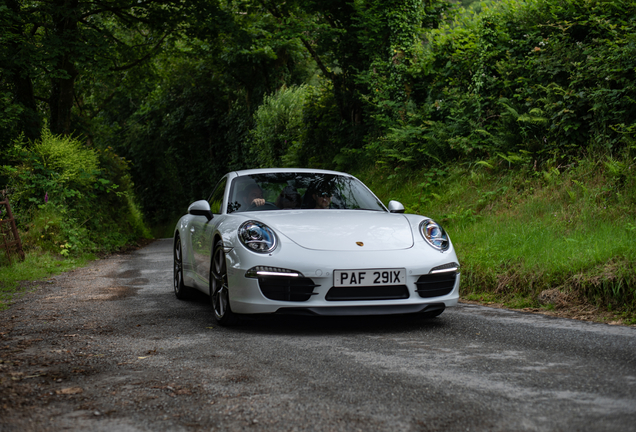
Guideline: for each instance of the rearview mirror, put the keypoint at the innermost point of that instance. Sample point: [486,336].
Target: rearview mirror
[396,207]
[200,208]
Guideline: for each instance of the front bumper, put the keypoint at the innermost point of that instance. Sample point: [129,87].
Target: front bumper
[246,296]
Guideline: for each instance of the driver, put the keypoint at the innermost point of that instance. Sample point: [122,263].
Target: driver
[253,196]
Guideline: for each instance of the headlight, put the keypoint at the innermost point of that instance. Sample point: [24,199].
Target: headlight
[434,235]
[257,237]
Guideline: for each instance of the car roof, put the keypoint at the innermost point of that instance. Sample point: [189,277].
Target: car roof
[287,170]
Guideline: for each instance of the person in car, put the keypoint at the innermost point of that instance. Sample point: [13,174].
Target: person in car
[252,196]
[322,199]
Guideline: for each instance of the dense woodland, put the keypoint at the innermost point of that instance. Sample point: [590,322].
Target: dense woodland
[117,114]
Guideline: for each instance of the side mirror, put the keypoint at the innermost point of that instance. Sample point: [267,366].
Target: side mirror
[200,208]
[396,207]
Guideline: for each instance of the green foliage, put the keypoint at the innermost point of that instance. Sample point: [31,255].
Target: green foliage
[222,85]
[67,157]
[279,129]
[327,142]
[549,78]
[65,60]
[188,132]
[9,119]
[64,201]
[521,229]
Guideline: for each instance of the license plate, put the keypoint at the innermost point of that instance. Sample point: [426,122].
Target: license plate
[369,277]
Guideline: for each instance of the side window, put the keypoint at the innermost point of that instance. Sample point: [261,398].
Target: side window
[216,200]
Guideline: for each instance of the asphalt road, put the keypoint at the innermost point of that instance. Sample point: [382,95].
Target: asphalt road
[109,348]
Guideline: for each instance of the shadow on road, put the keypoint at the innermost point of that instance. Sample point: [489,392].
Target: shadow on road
[320,326]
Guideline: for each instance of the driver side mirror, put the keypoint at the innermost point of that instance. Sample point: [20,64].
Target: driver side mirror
[396,207]
[200,208]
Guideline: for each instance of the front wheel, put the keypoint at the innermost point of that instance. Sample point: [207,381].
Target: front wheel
[181,291]
[219,294]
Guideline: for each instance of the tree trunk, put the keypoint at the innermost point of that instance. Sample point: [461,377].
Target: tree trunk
[61,101]
[64,18]
[22,83]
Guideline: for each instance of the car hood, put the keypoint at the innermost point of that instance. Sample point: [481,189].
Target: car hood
[341,230]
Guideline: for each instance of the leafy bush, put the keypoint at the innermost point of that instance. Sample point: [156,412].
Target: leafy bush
[553,78]
[67,157]
[69,198]
[279,128]
[328,141]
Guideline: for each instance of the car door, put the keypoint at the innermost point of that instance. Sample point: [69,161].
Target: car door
[202,236]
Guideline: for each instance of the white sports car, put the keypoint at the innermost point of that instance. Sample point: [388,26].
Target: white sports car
[311,242]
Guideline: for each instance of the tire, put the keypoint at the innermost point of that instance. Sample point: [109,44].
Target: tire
[181,291]
[219,289]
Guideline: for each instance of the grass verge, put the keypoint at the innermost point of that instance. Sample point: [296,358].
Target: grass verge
[36,266]
[549,238]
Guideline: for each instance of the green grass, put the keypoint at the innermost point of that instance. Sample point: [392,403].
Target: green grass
[523,230]
[34,267]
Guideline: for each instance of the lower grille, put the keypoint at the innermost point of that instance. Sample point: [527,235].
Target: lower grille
[287,288]
[435,285]
[394,292]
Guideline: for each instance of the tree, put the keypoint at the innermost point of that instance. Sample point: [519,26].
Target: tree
[362,47]
[47,46]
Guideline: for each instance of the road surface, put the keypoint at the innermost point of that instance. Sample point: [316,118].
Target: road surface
[109,348]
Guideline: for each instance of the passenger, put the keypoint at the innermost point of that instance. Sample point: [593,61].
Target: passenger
[322,199]
[319,193]
[317,199]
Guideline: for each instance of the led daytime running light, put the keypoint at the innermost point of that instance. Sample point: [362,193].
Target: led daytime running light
[260,271]
[446,268]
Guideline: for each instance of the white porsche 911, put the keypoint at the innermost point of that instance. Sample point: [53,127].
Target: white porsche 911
[311,242]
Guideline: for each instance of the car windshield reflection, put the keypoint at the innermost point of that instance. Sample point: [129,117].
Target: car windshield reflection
[295,191]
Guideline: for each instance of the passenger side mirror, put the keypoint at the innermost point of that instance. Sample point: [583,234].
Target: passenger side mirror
[396,207]
[200,208]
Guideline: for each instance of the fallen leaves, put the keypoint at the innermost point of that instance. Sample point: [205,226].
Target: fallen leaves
[148,354]
[69,391]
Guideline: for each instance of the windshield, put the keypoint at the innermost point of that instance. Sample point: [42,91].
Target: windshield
[291,191]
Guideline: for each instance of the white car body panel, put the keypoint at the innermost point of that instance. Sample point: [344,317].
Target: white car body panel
[314,243]
[339,230]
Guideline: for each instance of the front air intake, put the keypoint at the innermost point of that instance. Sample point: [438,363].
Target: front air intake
[294,289]
[436,285]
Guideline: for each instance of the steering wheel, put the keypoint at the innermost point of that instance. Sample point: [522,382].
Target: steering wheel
[267,206]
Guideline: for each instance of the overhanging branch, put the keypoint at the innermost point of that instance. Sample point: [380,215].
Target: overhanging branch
[142,59]
[271,8]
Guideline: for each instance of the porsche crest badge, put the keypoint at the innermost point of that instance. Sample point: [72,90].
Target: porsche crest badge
[360,244]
